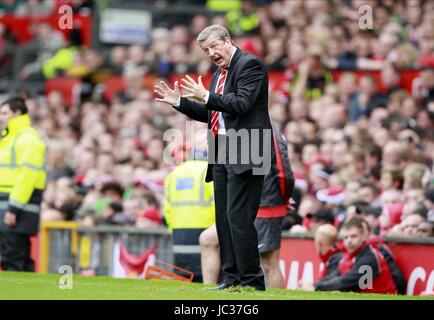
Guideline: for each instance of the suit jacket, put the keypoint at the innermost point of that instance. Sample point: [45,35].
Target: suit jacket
[244,106]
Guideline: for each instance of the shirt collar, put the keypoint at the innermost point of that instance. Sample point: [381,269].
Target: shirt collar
[232,55]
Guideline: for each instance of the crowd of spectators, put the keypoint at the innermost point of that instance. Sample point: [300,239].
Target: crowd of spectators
[354,149]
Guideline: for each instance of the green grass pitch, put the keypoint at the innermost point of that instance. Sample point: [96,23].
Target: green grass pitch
[32,286]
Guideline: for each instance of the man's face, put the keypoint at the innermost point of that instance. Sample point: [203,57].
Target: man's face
[353,238]
[411,224]
[218,51]
[5,115]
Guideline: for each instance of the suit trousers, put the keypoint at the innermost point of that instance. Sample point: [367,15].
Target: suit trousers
[237,198]
[15,252]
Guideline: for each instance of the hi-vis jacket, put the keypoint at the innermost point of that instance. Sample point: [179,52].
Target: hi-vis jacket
[189,200]
[22,175]
[188,210]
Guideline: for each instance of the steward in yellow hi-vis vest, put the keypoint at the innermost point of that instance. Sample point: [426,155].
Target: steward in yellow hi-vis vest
[189,210]
[22,180]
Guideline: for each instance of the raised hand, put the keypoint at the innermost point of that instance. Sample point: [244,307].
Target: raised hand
[196,91]
[166,94]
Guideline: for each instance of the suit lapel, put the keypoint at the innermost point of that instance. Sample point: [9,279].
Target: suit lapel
[231,72]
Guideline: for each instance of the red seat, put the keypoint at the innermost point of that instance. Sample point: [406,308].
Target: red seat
[113,85]
[70,88]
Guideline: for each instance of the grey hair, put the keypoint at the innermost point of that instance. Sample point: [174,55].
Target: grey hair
[221,32]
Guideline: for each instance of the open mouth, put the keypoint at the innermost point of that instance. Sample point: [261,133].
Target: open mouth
[219,60]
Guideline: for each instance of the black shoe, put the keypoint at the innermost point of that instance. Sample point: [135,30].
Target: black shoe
[221,286]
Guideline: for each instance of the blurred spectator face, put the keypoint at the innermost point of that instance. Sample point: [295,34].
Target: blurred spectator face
[136,54]
[309,130]
[86,161]
[387,41]
[124,174]
[367,194]
[199,23]
[381,17]
[310,151]
[377,116]
[56,154]
[146,133]
[179,35]
[44,31]
[353,238]
[427,77]
[381,137]
[178,53]
[63,195]
[132,207]
[367,86]
[425,229]
[423,120]
[347,84]
[218,50]
[339,152]
[362,46]
[118,55]
[296,53]
[155,150]
[298,109]
[105,163]
[410,225]
[105,142]
[413,15]
[409,107]
[55,100]
[392,152]
[386,181]
[293,133]
[351,191]
[390,77]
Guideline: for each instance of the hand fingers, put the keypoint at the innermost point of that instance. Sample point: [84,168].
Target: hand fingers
[176,87]
[189,89]
[161,89]
[190,80]
[165,85]
[188,83]
[200,81]
[159,92]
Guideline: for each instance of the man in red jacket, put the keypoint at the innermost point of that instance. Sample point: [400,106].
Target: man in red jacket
[362,268]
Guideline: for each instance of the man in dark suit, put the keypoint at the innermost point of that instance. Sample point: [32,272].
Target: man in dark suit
[239,147]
